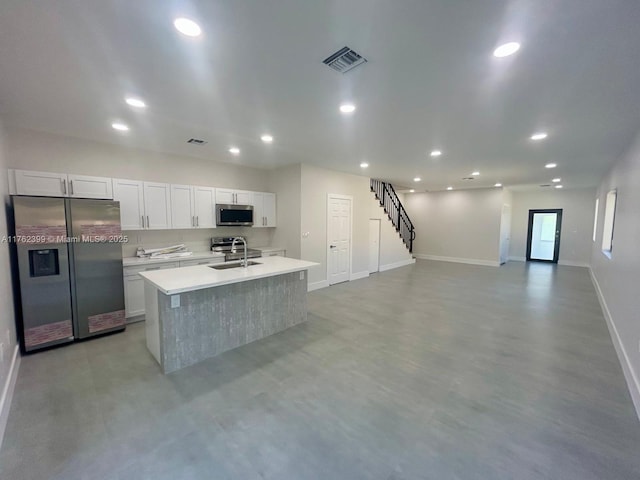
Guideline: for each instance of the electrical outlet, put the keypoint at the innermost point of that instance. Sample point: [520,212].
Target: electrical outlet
[175,301]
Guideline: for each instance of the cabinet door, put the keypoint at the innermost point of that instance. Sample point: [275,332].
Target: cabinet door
[225,196]
[182,214]
[157,205]
[243,197]
[83,186]
[204,201]
[269,209]
[130,195]
[133,296]
[45,184]
[258,211]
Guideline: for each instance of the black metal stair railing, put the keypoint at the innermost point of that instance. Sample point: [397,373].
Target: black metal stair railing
[392,205]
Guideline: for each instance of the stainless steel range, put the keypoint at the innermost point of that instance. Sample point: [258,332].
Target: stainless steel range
[224,245]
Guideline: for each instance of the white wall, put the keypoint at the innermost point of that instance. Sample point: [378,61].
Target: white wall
[316,185]
[577,222]
[30,150]
[393,251]
[459,225]
[7,314]
[618,277]
[285,183]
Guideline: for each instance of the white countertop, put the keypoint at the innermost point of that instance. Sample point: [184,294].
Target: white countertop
[177,280]
[137,261]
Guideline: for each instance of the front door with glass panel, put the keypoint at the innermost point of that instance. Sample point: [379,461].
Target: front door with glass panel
[543,239]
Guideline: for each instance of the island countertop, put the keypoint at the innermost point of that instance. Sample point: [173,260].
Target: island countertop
[178,280]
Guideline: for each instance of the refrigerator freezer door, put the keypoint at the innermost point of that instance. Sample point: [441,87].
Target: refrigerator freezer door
[44,271]
[96,266]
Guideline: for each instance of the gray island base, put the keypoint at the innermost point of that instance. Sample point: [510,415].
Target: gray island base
[188,327]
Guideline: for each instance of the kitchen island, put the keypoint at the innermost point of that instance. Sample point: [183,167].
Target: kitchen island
[194,313]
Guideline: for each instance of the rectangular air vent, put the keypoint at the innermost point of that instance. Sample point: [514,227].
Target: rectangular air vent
[196,141]
[344,60]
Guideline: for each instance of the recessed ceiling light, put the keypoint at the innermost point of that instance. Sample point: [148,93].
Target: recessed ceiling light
[449,188]
[506,49]
[135,102]
[266,138]
[435,153]
[234,150]
[187,27]
[121,127]
[550,165]
[558,186]
[347,108]
[475,174]
[556,180]
[498,185]
[411,191]
[539,136]
[417,179]
[364,165]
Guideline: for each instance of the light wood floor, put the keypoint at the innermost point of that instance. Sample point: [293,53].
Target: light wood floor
[432,371]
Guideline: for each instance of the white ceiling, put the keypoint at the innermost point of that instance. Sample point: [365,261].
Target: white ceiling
[431,82]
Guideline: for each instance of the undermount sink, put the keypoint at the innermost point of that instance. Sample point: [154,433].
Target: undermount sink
[226,266]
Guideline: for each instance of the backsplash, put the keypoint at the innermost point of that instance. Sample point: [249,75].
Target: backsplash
[196,240]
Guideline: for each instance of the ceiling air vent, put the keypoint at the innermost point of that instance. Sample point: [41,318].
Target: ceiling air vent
[545,185]
[196,141]
[344,60]
[468,178]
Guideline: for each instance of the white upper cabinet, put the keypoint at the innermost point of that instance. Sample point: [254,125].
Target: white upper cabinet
[44,184]
[130,194]
[49,184]
[182,211]
[83,186]
[204,206]
[157,205]
[264,209]
[234,197]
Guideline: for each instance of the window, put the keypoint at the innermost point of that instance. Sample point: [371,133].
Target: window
[595,220]
[609,220]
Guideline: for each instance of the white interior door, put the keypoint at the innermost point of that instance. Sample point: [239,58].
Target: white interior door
[339,239]
[505,233]
[374,245]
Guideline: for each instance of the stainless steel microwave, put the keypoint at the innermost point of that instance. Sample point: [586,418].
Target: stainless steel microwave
[234,215]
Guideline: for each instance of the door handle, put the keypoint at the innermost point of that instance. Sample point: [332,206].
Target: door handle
[197,221]
[142,221]
[71,186]
[64,186]
[147,221]
[193,221]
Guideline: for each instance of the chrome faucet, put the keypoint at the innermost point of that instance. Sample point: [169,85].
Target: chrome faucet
[243,261]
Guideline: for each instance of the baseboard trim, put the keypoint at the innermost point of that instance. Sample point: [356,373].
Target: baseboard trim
[7,391]
[402,263]
[469,261]
[573,264]
[317,285]
[629,374]
[359,275]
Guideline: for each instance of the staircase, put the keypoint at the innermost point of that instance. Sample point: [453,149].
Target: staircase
[393,207]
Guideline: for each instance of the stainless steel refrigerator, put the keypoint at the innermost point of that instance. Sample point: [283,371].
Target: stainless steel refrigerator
[69,257]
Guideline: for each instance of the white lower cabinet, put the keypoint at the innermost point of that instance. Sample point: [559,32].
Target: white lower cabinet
[134,284]
[134,287]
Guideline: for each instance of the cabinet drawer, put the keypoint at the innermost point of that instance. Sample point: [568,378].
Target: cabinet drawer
[132,271]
